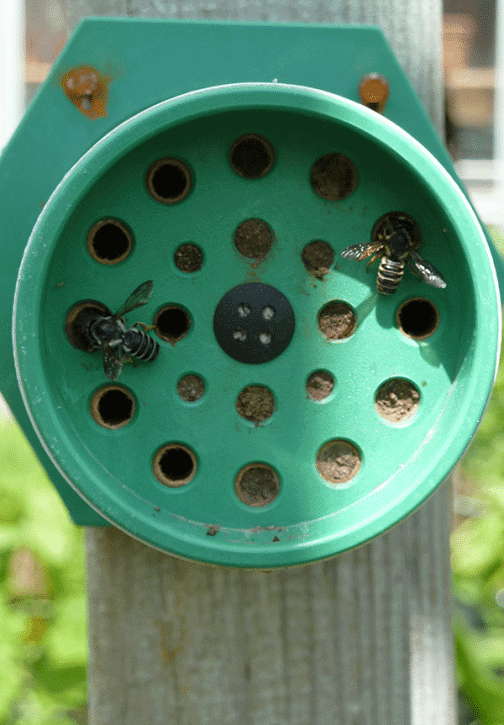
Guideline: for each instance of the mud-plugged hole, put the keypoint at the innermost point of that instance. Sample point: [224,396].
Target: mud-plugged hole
[112,406]
[336,320]
[253,238]
[251,156]
[172,323]
[397,400]
[168,180]
[255,403]
[257,484]
[188,258]
[174,465]
[318,257]
[338,461]
[319,385]
[78,322]
[417,318]
[190,388]
[109,241]
[334,177]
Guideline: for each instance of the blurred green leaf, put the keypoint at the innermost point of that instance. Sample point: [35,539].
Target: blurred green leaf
[43,642]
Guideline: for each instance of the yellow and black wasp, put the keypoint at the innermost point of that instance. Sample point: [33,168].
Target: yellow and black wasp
[397,245]
[111,335]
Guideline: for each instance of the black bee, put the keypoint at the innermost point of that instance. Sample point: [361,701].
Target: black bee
[111,335]
[396,247]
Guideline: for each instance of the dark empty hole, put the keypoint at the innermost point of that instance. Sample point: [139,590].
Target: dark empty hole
[115,407]
[168,180]
[418,318]
[112,407]
[251,156]
[176,464]
[172,323]
[109,242]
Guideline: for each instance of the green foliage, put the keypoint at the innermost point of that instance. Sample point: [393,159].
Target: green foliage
[478,565]
[43,643]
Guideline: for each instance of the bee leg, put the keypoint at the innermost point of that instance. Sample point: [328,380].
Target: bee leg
[371,261]
[412,267]
[145,327]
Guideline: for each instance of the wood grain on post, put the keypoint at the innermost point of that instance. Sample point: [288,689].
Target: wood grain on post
[362,639]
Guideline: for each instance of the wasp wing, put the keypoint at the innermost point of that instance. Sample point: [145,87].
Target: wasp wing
[112,361]
[136,299]
[362,251]
[426,270]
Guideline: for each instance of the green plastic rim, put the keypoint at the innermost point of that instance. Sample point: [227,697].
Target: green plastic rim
[314,477]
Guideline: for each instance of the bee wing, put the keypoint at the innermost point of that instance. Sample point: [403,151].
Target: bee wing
[112,361]
[362,251]
[426,270]
[136,299]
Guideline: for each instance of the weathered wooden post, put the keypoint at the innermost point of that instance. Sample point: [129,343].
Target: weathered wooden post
[363,638]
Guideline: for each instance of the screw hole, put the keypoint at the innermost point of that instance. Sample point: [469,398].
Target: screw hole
[168,180]
[244,310]
[109,241]
[257,484]
[172,323]
[417,318]
[251,156]
[112,407]
[174,465]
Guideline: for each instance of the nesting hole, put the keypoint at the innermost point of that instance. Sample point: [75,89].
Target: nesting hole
[257,484]
[253,238]
[190,388]
[318,257]
[418,318]
[338,461]
[109,241]
[78,321]
[172,323]
[392,221]
[336,320]
[251,156]
[168,180]
[174,465]
[188,258]
[319,385]
[397,400]
[255,403]
[112,407]
[334,177]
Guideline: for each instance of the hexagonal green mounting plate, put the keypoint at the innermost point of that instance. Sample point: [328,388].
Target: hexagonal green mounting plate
[54,135]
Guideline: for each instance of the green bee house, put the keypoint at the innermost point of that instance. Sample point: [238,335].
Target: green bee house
[292,410]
